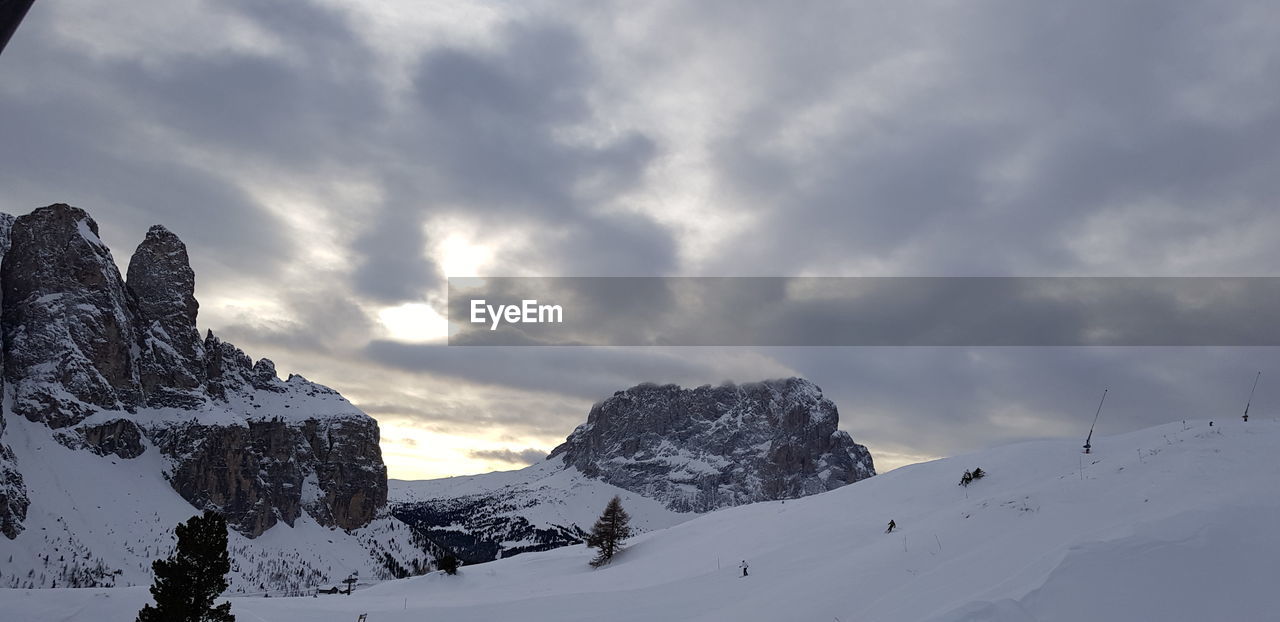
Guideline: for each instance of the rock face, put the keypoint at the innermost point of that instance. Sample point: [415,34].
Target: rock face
[163,285]
[118,367]
[273,470]
[13,493]
[69,341]
[711,447]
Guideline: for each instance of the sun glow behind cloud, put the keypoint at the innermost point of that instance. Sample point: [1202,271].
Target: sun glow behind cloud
[413,322]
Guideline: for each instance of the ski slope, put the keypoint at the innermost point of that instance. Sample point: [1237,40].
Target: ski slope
[1176,522]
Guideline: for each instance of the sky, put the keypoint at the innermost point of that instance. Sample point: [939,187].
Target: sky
[329,164]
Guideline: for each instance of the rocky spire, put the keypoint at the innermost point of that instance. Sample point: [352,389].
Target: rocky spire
[69,340]
[160,279]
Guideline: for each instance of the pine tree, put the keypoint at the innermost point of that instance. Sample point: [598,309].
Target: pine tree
[449,563]
[609,532]
[194,577]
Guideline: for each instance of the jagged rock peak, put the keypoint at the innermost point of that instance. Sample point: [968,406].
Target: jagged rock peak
[163,285]
[229,370]
[710,447]
[116,367]
[64,301]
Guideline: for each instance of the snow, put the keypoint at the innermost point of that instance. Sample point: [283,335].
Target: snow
[1171,523]
[96,515]
[82,226]
[545,494]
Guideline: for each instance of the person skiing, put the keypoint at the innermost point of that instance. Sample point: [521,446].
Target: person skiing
[979,473]
[891,526]
[743,566]
[966,479]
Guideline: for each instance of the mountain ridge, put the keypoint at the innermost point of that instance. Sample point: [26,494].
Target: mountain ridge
[114,369]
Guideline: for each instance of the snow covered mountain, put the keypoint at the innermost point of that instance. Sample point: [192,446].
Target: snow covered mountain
[668,452]
[480,518]
[1173,523]
[111,375]
[711,447]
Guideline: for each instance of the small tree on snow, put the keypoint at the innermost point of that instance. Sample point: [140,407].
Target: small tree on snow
[449,564]
[609,532]
[194,576]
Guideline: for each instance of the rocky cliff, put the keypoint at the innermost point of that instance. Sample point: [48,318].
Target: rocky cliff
[117,367]
[13,493]
[711,447]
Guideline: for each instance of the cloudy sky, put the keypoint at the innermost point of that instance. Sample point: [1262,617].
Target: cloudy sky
[330,163]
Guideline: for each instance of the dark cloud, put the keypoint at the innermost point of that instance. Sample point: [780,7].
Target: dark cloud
[136,141]
[591,373]
[522,457]
[491,139]
[845,311]
[1016,124]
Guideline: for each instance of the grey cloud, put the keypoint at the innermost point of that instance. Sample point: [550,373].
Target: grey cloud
[494,410]
[522,457]
[587,373]
[832,311]
[113,135]
[952,400]
[490,139]
[931,138]
[337,319]
[1020,123]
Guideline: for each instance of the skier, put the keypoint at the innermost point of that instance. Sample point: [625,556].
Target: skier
[891,526]
[743,566]
[966,479]
[979,473]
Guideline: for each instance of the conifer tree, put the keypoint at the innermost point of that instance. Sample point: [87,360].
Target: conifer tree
[194,577]
[449,563]
[609,532]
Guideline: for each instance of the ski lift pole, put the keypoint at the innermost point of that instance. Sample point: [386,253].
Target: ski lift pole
[1246,404]
[1088,440]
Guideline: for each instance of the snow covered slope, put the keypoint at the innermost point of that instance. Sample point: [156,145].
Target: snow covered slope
[1171,523]
[103,519]
[541,507]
